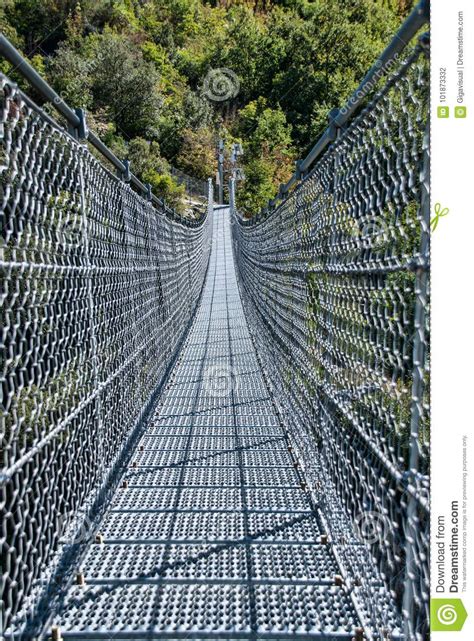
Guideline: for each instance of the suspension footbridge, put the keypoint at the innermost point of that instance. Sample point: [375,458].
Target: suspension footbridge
[210,532]
[218,428]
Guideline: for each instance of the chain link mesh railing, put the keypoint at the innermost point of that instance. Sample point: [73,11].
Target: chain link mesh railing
[99,289]
[335,286]
[195,187]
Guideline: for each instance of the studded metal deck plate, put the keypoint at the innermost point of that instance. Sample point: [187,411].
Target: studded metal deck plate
[211,533]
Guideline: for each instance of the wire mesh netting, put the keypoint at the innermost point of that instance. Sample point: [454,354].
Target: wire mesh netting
[195,187]
[99,290]
[335,287]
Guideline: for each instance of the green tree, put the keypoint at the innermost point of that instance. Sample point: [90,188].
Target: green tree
[139,69]
[197,155]
[268,153]
[145,157]
[125,85]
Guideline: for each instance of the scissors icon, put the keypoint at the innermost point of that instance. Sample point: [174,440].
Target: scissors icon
[439,213]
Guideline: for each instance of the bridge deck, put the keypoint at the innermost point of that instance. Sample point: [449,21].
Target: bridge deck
[214,537]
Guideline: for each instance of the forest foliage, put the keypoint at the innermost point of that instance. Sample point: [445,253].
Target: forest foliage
[163,80]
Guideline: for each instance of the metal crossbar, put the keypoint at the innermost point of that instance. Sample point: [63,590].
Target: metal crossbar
[100,289]
[335,284]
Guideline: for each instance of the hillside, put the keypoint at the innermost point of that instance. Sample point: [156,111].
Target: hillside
[162,80]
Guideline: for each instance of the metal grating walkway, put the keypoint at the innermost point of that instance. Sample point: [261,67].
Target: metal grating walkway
[211,533]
